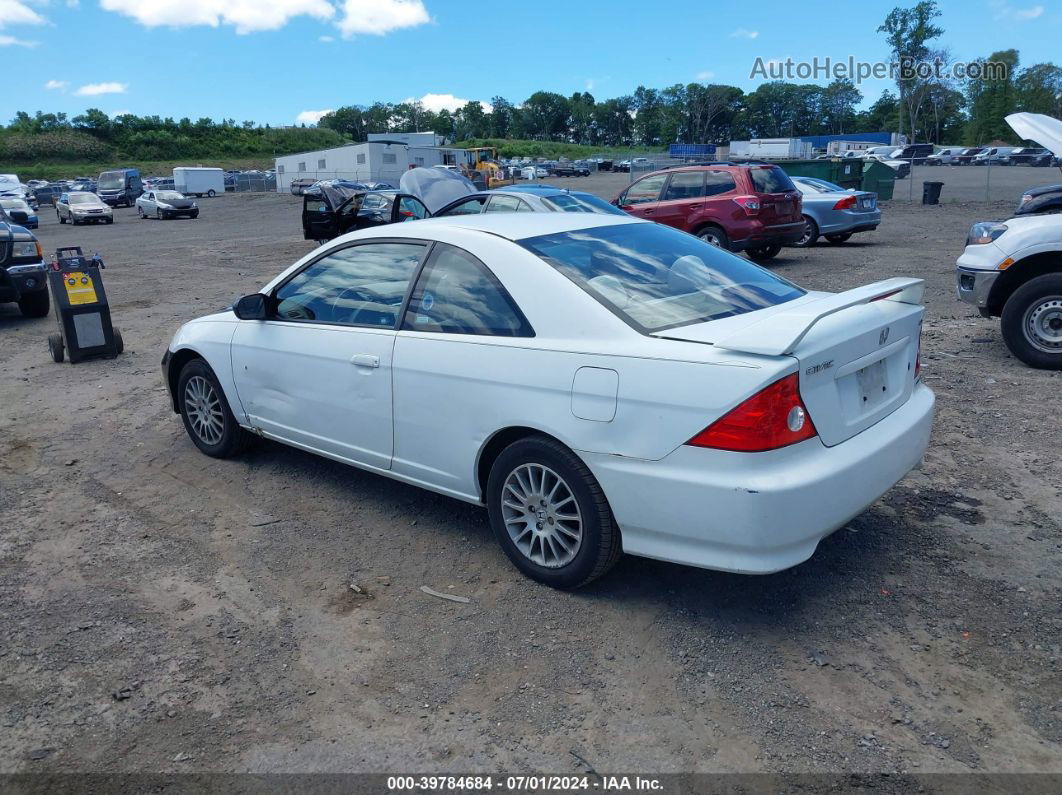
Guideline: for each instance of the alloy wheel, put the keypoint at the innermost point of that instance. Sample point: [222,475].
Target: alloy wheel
[542,515]
[203,407]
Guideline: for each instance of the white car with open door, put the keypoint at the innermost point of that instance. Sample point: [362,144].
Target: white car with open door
[601,383]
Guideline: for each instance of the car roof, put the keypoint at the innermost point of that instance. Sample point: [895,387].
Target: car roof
[515,226]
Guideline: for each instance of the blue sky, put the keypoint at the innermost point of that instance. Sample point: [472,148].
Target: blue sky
[279,61]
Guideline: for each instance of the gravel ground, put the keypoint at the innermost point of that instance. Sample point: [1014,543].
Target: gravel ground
[164,611]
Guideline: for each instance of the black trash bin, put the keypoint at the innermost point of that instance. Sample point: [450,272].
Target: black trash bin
[931,192]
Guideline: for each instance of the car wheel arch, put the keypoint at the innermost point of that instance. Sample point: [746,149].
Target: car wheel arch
[178,361]
[493,446]
[1019,273]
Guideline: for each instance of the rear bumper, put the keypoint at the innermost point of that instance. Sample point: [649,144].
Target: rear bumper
[779,234]
[763,512]
[851,222]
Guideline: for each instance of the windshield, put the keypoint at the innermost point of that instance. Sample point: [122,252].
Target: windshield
[655,277]
[114,181]
[83,198]
[14,204]
[168,195]
[580,203]
[771,180]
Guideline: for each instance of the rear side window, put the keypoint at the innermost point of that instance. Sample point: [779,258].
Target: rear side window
[456,294]
[771,180]
[685,185]
[718,182]
[503,204]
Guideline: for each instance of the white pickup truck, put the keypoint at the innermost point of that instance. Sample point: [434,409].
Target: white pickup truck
[1012,269]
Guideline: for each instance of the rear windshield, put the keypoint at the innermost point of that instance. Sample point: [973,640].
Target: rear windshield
[655,277]
[771,180]
[580,203]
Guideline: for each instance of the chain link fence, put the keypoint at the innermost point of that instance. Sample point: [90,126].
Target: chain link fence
[991,182]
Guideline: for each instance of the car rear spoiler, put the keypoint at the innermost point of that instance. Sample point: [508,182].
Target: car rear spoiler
[780,333]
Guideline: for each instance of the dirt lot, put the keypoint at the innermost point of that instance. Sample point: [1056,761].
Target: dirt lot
[164,611]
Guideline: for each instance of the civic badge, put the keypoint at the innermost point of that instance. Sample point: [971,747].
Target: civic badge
[883,337]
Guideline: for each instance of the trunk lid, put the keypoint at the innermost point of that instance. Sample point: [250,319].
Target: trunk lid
[856,350]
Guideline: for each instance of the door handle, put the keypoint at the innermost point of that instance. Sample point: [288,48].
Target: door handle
[648,211]
[365,360]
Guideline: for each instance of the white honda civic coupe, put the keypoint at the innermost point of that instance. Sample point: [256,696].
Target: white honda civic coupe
[602,384]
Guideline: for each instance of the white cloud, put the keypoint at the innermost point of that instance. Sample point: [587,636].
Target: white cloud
[16,12]
[55,85]
[11,41]
[326,39]
[378,17]
[114,114]
[705,75]
[437,102]
[590,84]
[742,33]
[247,16]
[312,116]
[1029,13]
[95,89]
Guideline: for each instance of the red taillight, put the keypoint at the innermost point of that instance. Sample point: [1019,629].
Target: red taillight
[774,417]
[847,203]
[750,204]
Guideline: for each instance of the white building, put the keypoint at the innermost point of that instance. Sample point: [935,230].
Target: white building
[374,161]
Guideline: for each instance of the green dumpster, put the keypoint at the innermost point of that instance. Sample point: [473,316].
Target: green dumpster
[879,178]
[846,172]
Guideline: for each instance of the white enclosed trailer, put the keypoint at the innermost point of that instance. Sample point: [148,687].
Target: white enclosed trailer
[196,181]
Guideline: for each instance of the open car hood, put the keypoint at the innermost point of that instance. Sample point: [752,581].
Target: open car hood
[436,187]
[1045,130]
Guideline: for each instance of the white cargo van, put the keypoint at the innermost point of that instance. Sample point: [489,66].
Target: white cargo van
[199,181]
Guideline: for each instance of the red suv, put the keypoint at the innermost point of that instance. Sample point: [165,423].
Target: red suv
[753,207]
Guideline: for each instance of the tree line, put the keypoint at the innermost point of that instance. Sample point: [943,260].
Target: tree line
[934,108]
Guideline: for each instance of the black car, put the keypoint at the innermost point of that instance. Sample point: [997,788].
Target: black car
[569,170]
[22,271]
[329,211]
[913,153]
[1028,156]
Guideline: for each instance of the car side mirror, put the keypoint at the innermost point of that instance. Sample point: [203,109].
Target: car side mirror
[251,307]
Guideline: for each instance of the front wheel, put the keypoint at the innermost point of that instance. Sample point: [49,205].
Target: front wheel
[211,194]
[811,233]
[764,253]
[206,414]
[1032,322]
[836,239]
[550,515]
[61,219]
[158,215]
[140,212]
[35,304]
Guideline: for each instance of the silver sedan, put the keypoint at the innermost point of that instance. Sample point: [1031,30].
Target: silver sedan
[835,213]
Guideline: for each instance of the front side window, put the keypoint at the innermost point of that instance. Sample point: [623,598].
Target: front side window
[357,286]
[685,185]
[655,277]
[467,207]
[645,190]
[411,209]
[456,294]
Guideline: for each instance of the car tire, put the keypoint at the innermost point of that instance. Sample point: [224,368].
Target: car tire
[108,220]
[56,348]
[590,529]
[35,304]
[838,239]
[141,213]
[207,417]
[158,214]
[193,216]
[1032,322]
[61,219]
[811,233]
[764,253]
[714,236]
[211,194]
